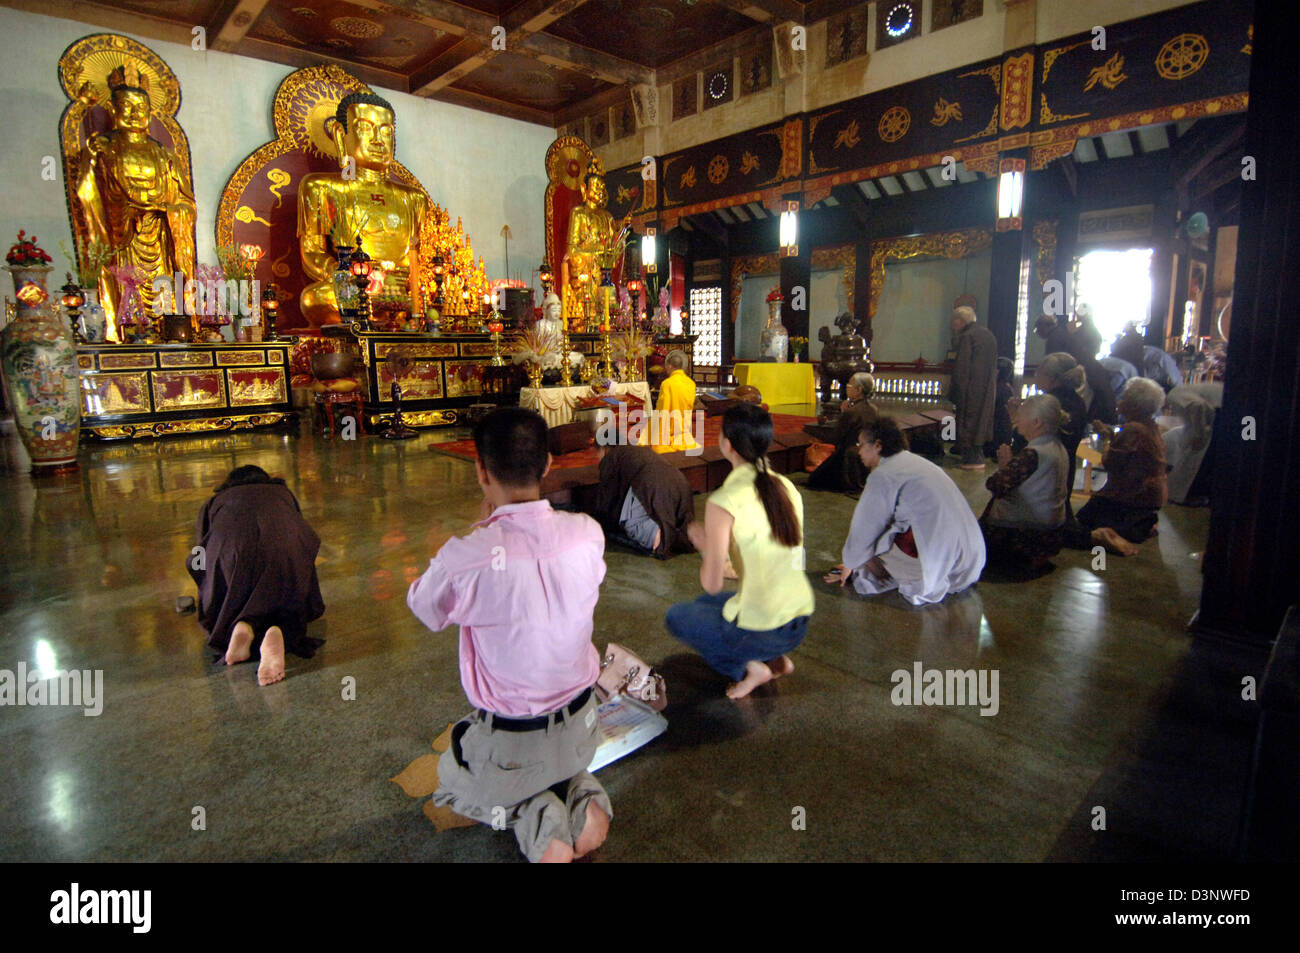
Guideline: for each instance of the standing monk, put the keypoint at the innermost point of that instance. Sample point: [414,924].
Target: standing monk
[974,386]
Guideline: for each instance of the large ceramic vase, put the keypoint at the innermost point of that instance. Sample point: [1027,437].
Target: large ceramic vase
[39,359]
[774,342]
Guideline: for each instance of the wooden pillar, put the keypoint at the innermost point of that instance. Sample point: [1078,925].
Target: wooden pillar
[1008,272]
[1253,548]
[796,274]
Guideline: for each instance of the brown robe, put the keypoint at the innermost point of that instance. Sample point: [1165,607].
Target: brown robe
[660,486]
[259,559]
[975,385]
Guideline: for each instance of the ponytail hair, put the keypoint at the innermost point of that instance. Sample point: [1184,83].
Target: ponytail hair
[748,428]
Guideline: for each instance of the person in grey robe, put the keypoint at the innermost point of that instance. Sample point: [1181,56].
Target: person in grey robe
[1187,447]
[974,386]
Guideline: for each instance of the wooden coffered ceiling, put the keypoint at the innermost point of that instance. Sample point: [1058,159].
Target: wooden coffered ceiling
[559,54]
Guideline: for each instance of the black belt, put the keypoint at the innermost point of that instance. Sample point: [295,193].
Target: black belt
[538,723]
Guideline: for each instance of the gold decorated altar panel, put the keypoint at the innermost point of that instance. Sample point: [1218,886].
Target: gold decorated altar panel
[439,374]
[161,389]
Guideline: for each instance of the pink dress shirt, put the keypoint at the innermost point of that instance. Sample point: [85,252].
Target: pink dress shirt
[522,587]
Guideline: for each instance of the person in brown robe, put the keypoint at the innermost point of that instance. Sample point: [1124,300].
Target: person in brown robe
[843,471]
[1125,511]
[256,565]
[661,500]
[974,386]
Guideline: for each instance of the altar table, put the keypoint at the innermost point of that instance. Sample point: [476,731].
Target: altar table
[556,404]
[779,383]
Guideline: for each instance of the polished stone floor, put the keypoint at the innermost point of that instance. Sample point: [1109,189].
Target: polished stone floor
[1090,664]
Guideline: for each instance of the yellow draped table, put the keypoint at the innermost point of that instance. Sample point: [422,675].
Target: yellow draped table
[779,383]
[556,404]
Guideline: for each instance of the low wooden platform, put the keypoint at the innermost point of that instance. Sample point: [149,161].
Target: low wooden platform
[704,471]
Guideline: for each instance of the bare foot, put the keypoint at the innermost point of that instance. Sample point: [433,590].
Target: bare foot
[557,852]
[780,666]
[271,669]
[756,673]
[594,831]
[1113,541]
[241,639]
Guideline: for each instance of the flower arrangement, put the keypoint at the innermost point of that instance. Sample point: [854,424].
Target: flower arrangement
[775,295]
[538,346]
[25,253]
[633,344]
[98,257]
[130,314]
[798,345]
[238,261]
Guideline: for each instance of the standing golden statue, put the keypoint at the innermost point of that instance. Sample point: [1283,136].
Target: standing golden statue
[134,199]
[593,233]
[359,200]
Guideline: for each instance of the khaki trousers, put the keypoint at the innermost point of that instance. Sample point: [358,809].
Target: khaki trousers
[535,783]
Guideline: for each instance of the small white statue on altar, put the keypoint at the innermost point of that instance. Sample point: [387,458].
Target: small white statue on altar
[551,319]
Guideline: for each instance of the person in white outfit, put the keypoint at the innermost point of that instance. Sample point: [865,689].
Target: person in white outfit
[912,529]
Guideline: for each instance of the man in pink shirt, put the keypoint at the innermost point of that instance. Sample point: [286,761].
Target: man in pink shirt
[522,586]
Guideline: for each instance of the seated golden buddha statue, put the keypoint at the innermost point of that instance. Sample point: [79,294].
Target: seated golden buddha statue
[592,232]
[133,196]
[359,200]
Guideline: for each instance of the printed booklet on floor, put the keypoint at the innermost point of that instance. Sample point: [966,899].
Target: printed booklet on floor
[625,725]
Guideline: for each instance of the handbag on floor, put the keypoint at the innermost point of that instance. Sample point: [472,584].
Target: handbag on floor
[623,672]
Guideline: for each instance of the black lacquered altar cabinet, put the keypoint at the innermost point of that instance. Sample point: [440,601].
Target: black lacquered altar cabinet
[440,374]
[154,390]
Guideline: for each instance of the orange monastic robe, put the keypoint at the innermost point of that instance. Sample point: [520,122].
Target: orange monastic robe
[677,393]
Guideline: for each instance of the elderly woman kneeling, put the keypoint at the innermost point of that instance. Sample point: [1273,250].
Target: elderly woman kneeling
[1125,510]
[1023,523]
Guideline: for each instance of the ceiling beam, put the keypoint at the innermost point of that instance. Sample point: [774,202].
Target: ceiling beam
[1226,170]
[557,52]
[1070,174]
[153,28]
[852,198]
[233,21]
[1202,147]
[709,226]
[459,61]
[730,48]
[533,16]
[766,11]
[297,58]
[461,97]
[605,99]
[447,17]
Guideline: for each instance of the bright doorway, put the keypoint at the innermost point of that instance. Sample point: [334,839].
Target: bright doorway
[1117,286]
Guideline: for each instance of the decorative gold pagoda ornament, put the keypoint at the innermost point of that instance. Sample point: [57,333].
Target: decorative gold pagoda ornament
[128,191]
[358,200]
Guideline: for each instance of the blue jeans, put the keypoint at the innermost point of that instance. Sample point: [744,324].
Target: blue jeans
[726,646]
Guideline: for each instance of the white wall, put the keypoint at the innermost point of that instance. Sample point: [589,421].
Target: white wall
[829,301]
[915,310]
[486,169]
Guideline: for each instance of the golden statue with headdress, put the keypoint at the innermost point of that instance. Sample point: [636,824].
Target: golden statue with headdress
[133,196]
[334,208]
[592,234]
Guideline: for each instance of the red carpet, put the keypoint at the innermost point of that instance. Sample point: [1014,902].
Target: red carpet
[782,424]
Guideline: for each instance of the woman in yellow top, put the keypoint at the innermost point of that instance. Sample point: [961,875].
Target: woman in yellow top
[745,635]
